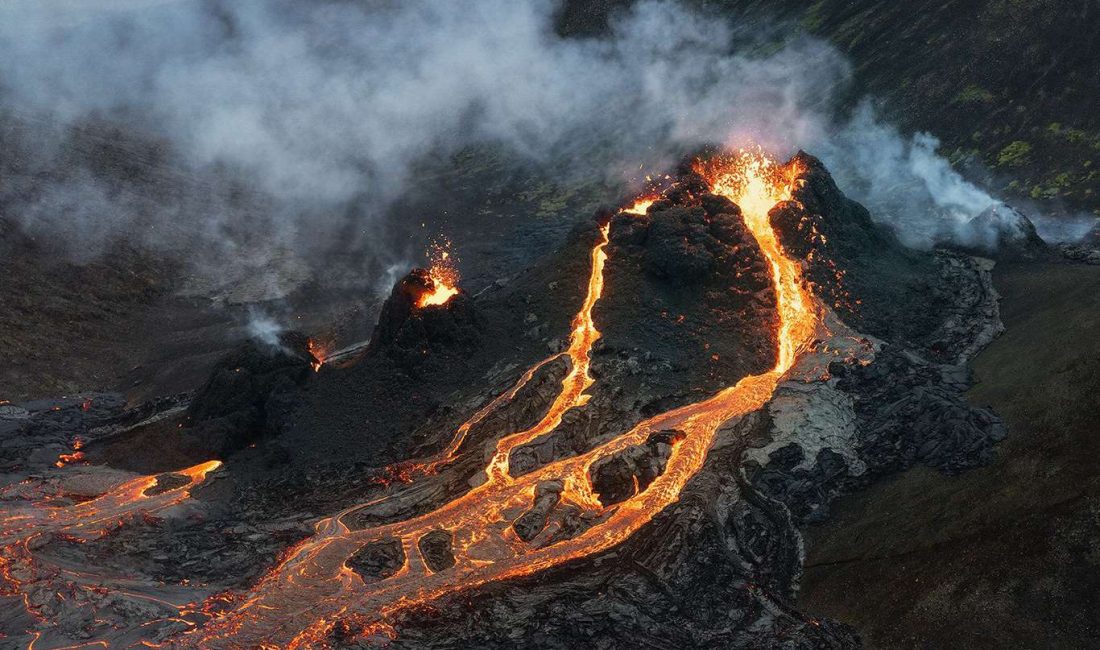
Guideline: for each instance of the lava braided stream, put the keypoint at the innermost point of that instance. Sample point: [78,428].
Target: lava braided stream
[297,604]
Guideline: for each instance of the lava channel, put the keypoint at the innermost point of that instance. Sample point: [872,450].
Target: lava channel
[300,600]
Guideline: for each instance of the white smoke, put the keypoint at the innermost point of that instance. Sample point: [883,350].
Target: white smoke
[903,181]
[275,122]
[263,327]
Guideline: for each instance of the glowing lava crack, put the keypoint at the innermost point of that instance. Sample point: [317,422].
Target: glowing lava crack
[298,602]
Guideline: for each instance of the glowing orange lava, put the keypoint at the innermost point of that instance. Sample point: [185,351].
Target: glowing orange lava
[319,352]
[81,523]
[90,519]
[443,274]
[641,205]
[298,603]
[76,456]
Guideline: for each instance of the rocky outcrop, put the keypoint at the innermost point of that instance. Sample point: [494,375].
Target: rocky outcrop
[532,522]
[378,560]
[1004,233]
[247,394]
[409,332]
[435,548]
[34,434]
[623,475]
[1085,250]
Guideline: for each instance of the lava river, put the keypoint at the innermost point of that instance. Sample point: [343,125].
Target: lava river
[21,529]
[299,601]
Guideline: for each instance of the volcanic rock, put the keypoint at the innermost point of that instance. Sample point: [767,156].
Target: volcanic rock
[245,396]
[435,547]
[1080,253]
[1004,233]
[34,433]
[409,332]
[625,474]
[378,560]
[1085,250]
[532,522]
[166,482]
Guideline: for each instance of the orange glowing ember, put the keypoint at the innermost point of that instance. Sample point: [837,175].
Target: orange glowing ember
[319,351]
[313,589]
[640,206]
[443,274]
[76,456]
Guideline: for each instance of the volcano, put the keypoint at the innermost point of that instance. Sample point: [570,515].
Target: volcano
[619,445]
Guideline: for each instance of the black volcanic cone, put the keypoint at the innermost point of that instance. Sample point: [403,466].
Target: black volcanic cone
[688,308]
[245,393]
[858,266]
[687,282]
[427,367]
[409,332]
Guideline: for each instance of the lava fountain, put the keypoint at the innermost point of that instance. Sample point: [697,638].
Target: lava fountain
[443,276]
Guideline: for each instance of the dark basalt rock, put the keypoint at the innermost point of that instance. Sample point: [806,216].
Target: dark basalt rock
[166,482]
[435,547]
[34,433]
[621,476]
[912,411]
[408,332]
[378,560]
[677,246]
[531,523]
[246,394]
[1005,234]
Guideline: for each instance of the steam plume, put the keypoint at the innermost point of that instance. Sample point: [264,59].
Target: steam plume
[250,126]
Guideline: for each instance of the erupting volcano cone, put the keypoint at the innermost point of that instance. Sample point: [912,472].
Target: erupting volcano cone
[423,313]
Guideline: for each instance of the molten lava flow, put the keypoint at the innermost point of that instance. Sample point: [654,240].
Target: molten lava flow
[641,205]
[319,352]
[91,519]
[756,185]
[76,456]
[443,274]
[81,523]
[450,452]
[300,601]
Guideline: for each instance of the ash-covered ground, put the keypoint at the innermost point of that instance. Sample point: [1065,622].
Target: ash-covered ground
[687,309]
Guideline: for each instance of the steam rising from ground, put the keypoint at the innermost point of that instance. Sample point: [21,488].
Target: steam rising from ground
[246,126]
